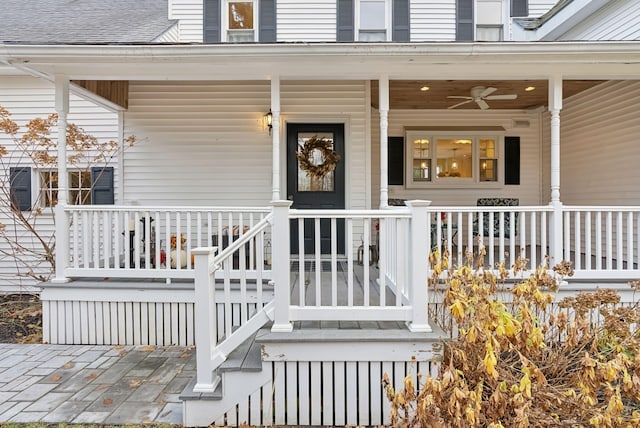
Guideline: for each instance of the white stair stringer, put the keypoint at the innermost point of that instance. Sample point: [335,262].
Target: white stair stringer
[237,388]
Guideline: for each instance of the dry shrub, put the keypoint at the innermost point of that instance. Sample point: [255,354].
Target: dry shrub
[520,361]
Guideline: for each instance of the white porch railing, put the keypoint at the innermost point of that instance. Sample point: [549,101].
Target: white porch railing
[603,242]
[506,232]
[135,242]
[155,242]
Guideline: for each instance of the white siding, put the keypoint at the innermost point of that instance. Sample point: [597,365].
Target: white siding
[433,21]
[204,143]
[172,35]
[189,13]
[600,146]
[540,7]
[529,189]
[306,20]
[618,20]
[27,98]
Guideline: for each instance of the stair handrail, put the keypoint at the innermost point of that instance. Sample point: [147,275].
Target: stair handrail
[210,354]
[243,239]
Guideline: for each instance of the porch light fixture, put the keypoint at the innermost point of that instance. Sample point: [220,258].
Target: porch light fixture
[530,88]
[268,120]
[425,88]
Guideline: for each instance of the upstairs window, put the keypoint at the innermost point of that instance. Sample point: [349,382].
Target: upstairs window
[241,21]
[489,20]
[373,20]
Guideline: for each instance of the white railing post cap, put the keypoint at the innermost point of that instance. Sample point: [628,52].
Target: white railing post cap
[281,203]
[417,203]
[204,251]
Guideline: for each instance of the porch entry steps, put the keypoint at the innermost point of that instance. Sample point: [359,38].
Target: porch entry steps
[327,375]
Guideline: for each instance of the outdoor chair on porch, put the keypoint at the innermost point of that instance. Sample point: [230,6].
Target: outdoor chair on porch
[496,202]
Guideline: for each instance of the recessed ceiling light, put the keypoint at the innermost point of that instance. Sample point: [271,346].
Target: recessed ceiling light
[424,88]
[530,88]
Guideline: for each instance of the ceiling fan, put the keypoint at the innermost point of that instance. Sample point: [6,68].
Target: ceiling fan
[479,94]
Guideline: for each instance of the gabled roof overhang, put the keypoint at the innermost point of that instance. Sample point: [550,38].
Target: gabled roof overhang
[571,60]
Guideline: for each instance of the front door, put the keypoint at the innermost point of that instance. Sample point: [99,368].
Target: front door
[307,185]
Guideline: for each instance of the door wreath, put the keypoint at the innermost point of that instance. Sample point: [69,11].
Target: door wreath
[329,156]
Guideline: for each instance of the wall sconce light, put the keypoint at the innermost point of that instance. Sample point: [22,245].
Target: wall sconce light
[268,120]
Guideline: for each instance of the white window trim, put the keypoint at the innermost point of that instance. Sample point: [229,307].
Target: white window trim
[388,20]
[225,19]
[451,182]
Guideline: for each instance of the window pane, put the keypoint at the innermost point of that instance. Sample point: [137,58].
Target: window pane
[240,36]
[421,159]
[310,183]
[372,36]
[48,188]
[454,158]
[372,15]
[488,170]
[487,148]
[86,179]
[240,15]
[488,34]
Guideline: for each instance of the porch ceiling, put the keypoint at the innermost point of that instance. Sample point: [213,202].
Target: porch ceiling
[406,94]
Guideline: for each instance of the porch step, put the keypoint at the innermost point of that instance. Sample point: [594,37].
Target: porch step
[189,395]
[245,357]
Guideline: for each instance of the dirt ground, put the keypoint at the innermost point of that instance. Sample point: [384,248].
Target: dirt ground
[20,318]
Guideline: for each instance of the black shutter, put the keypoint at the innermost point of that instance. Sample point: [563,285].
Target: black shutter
[211,21]
[345,14]
[519,7]
[395,160]
[512,160]
[102,186]
[400,31]
[464,20]
[267,21]
[20,187]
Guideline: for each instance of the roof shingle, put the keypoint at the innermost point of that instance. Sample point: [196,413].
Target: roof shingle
[83,21]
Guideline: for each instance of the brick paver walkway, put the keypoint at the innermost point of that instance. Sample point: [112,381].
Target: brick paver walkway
[93,384]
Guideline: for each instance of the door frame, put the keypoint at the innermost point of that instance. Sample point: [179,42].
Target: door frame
[338,199]
[299,119]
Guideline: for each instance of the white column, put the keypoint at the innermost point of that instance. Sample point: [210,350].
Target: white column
[418,261]
[384,130]
[62,221]
[280,266]
[275,136]
[205,319]
[555,105]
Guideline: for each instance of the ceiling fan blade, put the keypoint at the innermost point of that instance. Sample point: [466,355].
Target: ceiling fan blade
[459,104]
[483,105]
[460,96]
[502,97]
[488,91]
